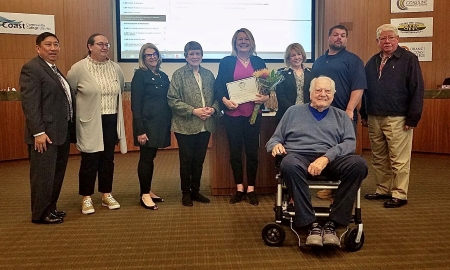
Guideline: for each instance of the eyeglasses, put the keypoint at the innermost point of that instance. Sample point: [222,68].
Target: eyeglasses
[102,45]
[319,91]
[149,55]
[383,39]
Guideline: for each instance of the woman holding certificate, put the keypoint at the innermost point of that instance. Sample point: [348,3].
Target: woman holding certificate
[240,65]
[191,98]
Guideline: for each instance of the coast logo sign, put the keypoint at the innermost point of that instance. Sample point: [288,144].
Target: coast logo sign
[26,24]
[398,6]
[401,5]
[10,23]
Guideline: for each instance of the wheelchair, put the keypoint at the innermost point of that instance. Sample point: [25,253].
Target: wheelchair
[274,234]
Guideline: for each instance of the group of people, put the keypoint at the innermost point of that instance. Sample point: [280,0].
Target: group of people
[319,138]
[316,113]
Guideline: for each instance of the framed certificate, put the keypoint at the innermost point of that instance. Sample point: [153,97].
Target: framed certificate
[242,91]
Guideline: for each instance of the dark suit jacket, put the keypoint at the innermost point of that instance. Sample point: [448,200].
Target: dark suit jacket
[151,112]
[226,74]
[287,91]
[44,103]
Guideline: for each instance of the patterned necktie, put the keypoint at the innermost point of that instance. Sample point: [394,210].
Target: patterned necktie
[69,98]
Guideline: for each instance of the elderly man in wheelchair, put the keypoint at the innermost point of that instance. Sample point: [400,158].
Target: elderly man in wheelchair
[318,139]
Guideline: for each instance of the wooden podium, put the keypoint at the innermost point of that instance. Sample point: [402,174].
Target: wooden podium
[221,175]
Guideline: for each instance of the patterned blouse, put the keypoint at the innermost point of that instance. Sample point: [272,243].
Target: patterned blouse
[299,81]
[106,77]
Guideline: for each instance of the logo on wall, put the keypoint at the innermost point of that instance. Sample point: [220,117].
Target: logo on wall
[411,27]
[423,50]
[414,27]
[27,24]
[10,23]
[398,6]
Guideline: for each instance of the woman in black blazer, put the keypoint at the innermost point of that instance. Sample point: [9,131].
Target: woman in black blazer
[241,64]
[151,117]
[295,87]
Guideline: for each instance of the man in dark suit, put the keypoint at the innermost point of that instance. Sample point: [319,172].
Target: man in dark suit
[48,105]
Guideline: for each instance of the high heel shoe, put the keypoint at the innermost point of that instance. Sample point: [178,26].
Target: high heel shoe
[153,207]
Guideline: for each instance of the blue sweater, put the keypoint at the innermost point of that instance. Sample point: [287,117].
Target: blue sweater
[300,132]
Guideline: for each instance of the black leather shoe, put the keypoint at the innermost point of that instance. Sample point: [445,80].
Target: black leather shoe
[394,203]
[252,198]
[199,198]
[50,219]
[377,196]
[59,213]
[186,200]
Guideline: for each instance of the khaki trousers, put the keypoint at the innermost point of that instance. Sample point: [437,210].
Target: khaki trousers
[391,154]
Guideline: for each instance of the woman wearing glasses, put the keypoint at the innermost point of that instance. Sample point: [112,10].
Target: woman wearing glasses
[98,83]
[151,118]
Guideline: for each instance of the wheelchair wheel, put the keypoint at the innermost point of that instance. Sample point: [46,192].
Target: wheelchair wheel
[350,240]
[273,234]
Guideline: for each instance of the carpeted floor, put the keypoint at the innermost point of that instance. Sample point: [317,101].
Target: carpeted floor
[216,235]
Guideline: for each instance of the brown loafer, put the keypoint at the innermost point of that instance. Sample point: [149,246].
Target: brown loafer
[377,196]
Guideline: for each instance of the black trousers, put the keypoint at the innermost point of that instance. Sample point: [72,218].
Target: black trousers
[350,169]
[47,172]
[240,132]
[101,163]
[192,152]
[145,168]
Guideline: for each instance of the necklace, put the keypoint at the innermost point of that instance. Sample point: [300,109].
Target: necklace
[155,73]
[245,61]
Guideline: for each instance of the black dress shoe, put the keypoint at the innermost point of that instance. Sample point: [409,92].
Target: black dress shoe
[50,219]
[199,198]
[157,199]
[59,213]
[153,207]
[186,200]
[377,196]
[394,203]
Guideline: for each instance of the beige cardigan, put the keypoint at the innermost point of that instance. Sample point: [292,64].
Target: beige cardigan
[88,109]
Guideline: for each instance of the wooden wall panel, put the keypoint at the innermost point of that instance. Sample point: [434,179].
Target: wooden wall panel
[12,128]
[84,18]
[77,19]
[431,135]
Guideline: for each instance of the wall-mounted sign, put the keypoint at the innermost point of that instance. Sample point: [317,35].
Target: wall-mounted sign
[400,6]
[26,24]
[423,50]
[414,27]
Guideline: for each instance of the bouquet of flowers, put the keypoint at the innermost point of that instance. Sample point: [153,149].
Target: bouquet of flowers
[267,80]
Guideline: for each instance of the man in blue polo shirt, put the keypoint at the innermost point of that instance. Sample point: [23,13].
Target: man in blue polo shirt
[347,71]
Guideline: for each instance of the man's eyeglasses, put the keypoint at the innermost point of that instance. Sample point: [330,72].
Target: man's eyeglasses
[150,55]
[102,45]
[319,91]
[383,39]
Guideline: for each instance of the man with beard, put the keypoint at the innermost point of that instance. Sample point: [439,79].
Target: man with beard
[347,71]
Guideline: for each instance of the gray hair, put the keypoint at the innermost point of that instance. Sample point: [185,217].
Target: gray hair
[312,87]
[387,27]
